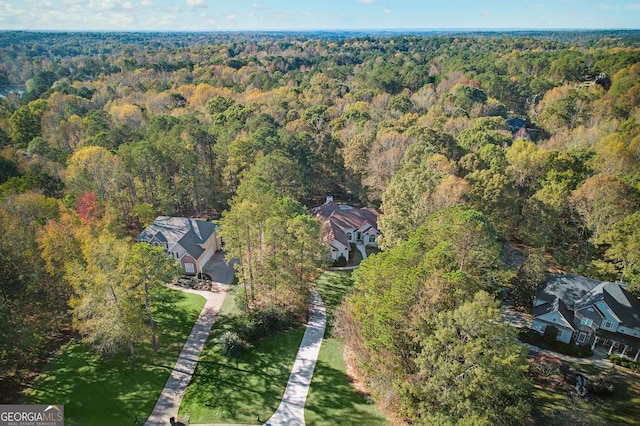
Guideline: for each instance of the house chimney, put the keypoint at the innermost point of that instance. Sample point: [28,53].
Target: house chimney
[329,198]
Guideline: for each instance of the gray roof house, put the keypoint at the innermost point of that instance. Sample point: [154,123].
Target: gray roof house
[342,225]
[192,242]
[588,311]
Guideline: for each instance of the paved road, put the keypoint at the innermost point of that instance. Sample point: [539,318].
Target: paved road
[171,396]
[291,408]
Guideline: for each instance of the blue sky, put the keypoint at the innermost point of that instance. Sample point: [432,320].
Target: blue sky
[222,15]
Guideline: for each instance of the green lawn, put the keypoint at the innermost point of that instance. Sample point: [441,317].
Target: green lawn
[623,407]
[553,405]
[114,390]
[237,390]
[332,398]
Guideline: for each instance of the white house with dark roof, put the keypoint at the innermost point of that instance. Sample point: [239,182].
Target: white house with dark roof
[588,311]
[343,224]
[192,242]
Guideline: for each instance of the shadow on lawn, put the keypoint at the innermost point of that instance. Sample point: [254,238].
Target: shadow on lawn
[236,390]
[338,401]
[113,389]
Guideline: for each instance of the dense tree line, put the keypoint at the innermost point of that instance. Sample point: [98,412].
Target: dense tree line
[114,129]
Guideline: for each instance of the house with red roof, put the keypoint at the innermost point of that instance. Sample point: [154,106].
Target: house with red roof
[343,225]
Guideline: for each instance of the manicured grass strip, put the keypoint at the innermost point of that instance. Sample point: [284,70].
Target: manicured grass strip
[237,390]
[113,390]
[332,398]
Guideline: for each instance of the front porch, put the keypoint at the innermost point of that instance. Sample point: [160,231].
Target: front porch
[626,349]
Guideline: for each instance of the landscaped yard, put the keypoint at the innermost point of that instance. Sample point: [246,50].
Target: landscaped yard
[238,390]
[554,405]
[114,390]
[332,398]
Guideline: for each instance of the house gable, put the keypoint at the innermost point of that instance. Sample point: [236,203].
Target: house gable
[343,224]
[555,313]
[182,237]
[595,310]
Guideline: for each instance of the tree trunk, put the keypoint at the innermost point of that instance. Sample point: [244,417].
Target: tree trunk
[250,265]
[131,352]
[147,305]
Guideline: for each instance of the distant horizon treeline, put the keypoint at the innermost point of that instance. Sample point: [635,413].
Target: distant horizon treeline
[122,127]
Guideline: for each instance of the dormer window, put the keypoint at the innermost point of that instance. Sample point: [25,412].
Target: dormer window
[586,321]
[349,236]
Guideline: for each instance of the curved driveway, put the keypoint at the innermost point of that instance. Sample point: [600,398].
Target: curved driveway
[291,408]
[171,396]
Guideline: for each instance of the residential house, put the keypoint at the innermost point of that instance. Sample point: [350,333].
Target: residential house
[343,224]
[589,312]
[192,242]
[518,128]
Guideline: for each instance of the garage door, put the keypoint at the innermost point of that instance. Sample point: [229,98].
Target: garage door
[189,268]
[206,257]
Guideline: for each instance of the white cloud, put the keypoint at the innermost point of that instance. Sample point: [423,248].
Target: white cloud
[487,13]
[231,17]
[257,6]
[40,4]
[163,22]
[127,5]
[366,1]
[103,5]
[121,20]
[146,3]
[628,6]
[196,3]
[387,11]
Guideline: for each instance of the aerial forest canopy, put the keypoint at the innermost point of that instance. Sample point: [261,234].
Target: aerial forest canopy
[528,139]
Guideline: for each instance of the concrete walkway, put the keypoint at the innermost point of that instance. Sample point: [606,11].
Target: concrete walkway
[291,408]
[171,396]
[362,250]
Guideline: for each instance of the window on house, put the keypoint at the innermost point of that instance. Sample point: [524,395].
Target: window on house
[586,321]
[554,318]
[582,337]
[372,238]
[349,236]
[621,330]
[636,332]
[188,268]
[560,333]
[608,324]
